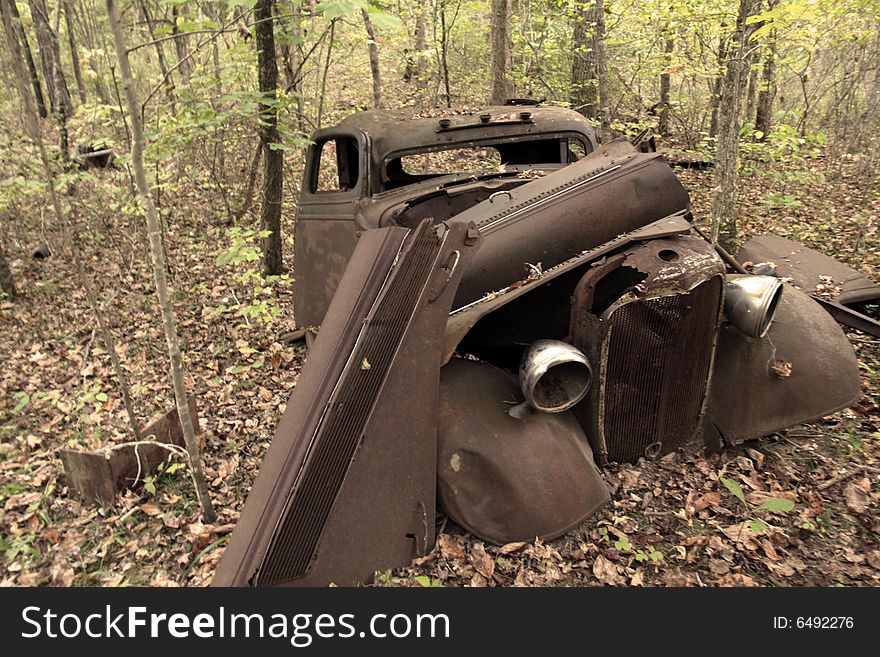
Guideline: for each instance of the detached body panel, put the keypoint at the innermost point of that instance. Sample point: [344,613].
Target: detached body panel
[348,485]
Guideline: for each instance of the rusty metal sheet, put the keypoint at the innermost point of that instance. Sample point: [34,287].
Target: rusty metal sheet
[506,479]
[322,248]
[750,398]
[648,317]
[806,267]
[396,130]
[613,190]
[348,485]
[98,476]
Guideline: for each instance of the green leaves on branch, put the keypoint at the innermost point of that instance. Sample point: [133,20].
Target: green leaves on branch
[332,9]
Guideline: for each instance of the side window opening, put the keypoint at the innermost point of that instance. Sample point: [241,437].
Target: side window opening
[337,167]
[575,150]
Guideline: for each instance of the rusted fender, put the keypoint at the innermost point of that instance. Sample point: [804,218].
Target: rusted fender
[506,479]
[750,398]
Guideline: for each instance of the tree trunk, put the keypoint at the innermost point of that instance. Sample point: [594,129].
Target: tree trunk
[717,85]
[181,44]
[28,58]
[724,210]
[420,72]
[267,72]
[7,284]
[767,88]
[74,53]
[160,54]
[665,83]
[157,255]
[502,57]
[50,57]
[751,90]
[444,53]
[589,69]
[374,60]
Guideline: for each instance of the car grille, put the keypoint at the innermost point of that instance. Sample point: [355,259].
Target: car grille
[659,354]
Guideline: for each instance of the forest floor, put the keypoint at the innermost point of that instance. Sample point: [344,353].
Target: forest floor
[671,521]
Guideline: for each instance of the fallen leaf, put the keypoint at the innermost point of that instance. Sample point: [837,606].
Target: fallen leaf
[606,571]
[62,575]
[482,562]
[151,509]
[781,369]
[856,498]
[451,547]
[736,579]
[512,547]
[707,500]
[19,500]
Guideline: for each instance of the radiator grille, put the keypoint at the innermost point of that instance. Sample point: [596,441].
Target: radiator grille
[657,367]
[293,544]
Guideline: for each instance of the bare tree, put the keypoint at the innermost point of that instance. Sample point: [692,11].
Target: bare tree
[50,56]
[270,138]
[420,73]
[724,210]
[19,31]
[167,75]
[665,82]
[374,59]
[767,87]
[181,43]
[157,255]
[74,53]
[502,51]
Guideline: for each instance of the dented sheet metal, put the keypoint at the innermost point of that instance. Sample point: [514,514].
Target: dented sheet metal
[463,318]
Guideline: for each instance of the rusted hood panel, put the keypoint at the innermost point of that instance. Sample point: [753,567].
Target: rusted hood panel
[463,318]
[614,190]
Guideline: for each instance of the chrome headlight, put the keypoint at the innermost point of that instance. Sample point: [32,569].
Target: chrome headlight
[750,303]
[554,375]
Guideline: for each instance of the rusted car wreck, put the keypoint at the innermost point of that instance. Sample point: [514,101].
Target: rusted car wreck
[504,303]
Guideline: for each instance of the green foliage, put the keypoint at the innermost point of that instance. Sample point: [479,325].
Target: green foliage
[776,505]
[244,255]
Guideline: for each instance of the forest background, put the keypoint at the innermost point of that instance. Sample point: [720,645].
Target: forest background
[124,288]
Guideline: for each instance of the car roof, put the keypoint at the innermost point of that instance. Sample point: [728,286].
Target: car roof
[392,131]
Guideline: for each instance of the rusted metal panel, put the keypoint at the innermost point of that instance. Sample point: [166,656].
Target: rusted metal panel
[556,217]
[322,248]
[98,476]
[507,479]
[397,130]
[807,267]
[750,397]
[811,271]
[348,486]
[464,318]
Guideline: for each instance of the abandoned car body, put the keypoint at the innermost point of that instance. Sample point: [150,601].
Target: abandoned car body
[488,336]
